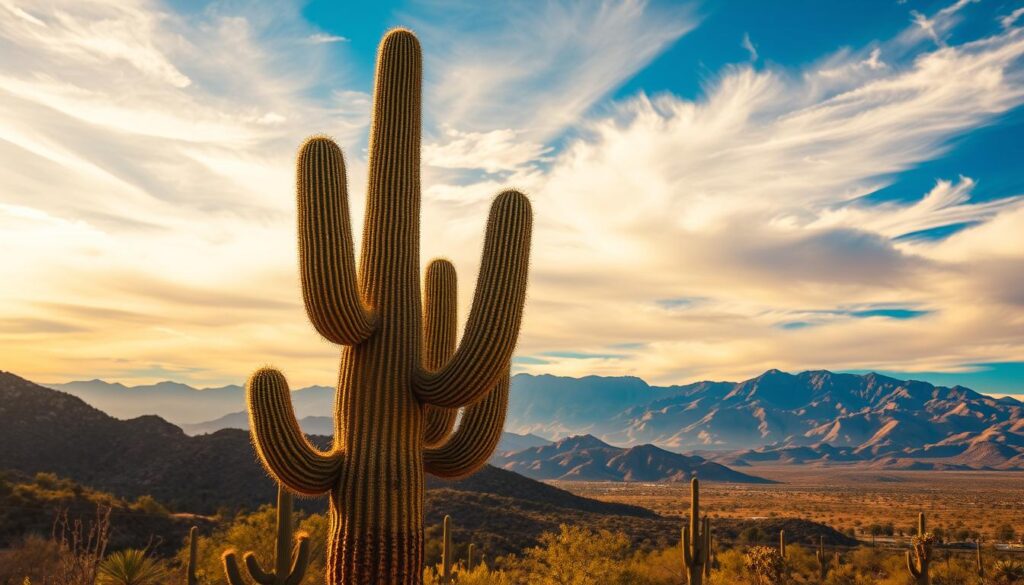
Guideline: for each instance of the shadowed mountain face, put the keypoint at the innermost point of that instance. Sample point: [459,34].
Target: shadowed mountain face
[586,458]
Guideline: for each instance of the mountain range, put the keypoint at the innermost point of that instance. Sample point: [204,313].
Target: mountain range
[48,431]
[811,417]
[587,458]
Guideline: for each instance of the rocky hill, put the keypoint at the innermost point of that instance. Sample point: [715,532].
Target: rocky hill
[587,458]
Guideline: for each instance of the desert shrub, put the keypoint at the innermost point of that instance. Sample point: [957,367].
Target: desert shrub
[1006,572]
[131,567]
[28,559]
[576,556]
[765,565]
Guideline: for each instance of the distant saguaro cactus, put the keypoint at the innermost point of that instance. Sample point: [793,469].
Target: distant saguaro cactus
[917,563]
[822,559]
[709,559]
[289,565]
[782,543]
[978,560]
[401,375]
[469,557]
[193,548]
[694,541]
[446,552]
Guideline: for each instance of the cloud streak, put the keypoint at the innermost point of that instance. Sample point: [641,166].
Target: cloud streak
[147,191]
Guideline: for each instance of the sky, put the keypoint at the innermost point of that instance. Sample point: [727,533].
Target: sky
[719,188]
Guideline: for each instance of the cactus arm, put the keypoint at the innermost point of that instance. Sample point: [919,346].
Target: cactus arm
[685,542]
[330,289]
[494,319]
[301,562]
[914,571]
[280,444]
[440,322]
[390,249]
[472,444]
[256,571]
[231,572]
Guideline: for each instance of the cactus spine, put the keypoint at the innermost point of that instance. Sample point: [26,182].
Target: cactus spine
[694,542]
[782,543]
[917,563]
[822,559]
[399,357]
[193,546]
[289,565]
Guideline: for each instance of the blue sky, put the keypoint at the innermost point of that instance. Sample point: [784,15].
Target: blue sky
[720,187]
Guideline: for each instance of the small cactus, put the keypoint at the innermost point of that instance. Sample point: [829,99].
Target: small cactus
[193,545]
[978,560]
[822,559]
[921,554]
[289,565]
[694,542]
[709,549]
[469,557]
[782,543]
[446,552]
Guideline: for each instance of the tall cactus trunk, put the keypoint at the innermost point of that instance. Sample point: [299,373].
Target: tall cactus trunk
[402,379]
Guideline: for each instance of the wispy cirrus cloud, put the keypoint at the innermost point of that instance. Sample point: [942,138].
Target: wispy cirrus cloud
[148,199]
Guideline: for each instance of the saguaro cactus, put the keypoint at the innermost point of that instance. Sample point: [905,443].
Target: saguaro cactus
[822,559]
[694,542]
[978,561]
[917,563]
[782,543]
[709,549]
[469,557]
[289,565]
[446,552]
[401,375]
[193,549]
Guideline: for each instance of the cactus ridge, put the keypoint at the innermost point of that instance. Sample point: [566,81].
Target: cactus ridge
[289,565]
[402,378]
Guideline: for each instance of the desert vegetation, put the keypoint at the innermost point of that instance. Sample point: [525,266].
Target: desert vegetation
[289,548]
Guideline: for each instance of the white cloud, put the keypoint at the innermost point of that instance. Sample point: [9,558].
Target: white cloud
[747,44]
[319,38]
[152,219]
